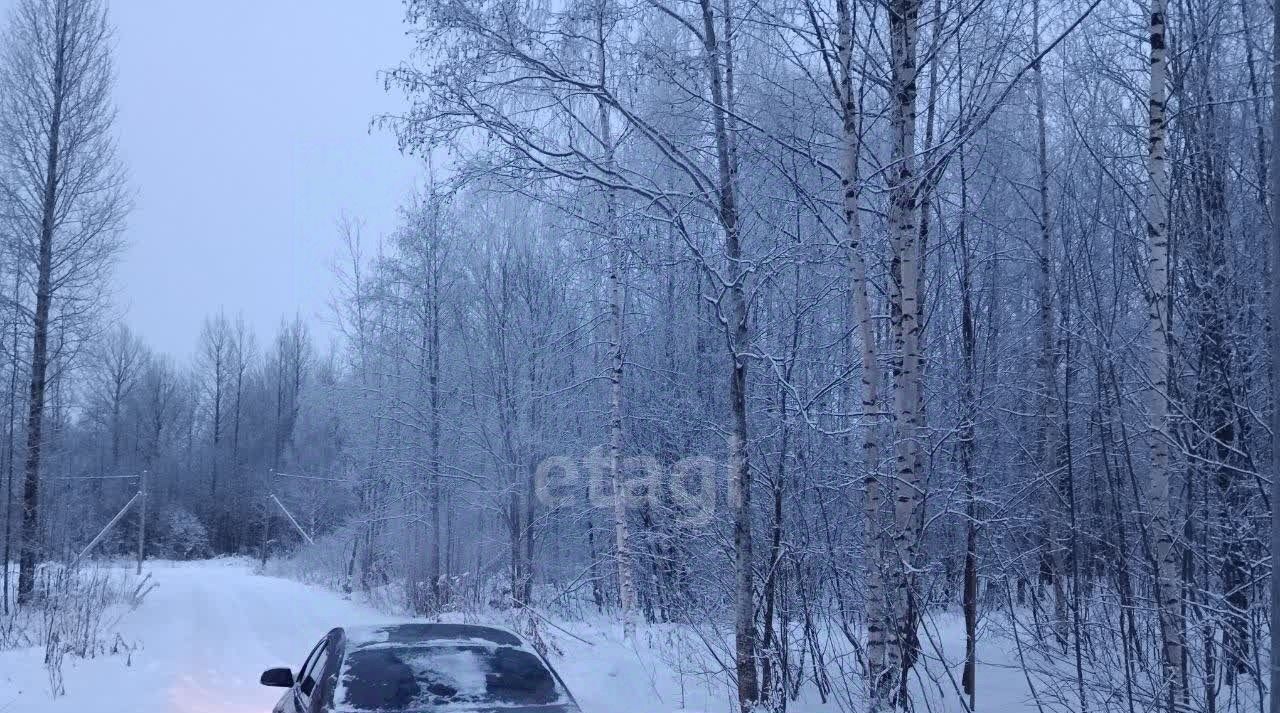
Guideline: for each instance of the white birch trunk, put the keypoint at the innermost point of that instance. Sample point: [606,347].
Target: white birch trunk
[1167,589]
[904,233]
[626,582]
[873,503]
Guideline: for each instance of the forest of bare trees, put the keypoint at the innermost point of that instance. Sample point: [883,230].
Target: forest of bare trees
[808,326]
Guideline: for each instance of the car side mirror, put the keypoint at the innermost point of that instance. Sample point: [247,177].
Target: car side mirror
[277,677]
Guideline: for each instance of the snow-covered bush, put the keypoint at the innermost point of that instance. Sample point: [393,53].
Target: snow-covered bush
[326,563]
[15,630]
[77,609]
[183,536]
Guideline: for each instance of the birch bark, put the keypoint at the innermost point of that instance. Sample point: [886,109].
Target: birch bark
[903,233]
[1167,590]
[626,583]
[870,397]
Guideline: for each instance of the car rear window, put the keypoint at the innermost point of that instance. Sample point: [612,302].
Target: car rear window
[413,678]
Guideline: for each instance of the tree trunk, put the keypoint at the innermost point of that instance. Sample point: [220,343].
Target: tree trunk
[1047,362]
[40,334]
[969,406]
[217,427]
[617,297]
[903,232]
[1167,593]
[719,72]
[433,554]
[10,452]
[851,150]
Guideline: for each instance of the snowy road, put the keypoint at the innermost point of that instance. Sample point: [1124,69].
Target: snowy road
[205,634]
[210,628]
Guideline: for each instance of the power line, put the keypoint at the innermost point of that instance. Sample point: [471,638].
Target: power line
[311,477]
[93,477]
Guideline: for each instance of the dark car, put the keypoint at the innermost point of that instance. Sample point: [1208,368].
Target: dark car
[418,668]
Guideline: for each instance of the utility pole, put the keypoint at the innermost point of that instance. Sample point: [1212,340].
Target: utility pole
[142,519]
[266,529]
[266,515]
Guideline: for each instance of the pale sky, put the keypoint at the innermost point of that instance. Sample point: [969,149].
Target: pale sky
[245,128]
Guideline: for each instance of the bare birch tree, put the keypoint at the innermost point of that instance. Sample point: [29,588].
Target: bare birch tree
[61,188]
[1167,588]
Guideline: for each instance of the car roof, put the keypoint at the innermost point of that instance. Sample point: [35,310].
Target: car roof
[359,637]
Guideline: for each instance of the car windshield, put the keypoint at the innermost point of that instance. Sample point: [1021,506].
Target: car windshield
[446,675]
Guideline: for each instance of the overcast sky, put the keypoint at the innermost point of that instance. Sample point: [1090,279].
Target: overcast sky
[245,128]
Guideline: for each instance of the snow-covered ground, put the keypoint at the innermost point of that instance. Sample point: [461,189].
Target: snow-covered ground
[203,636]
[210,628]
